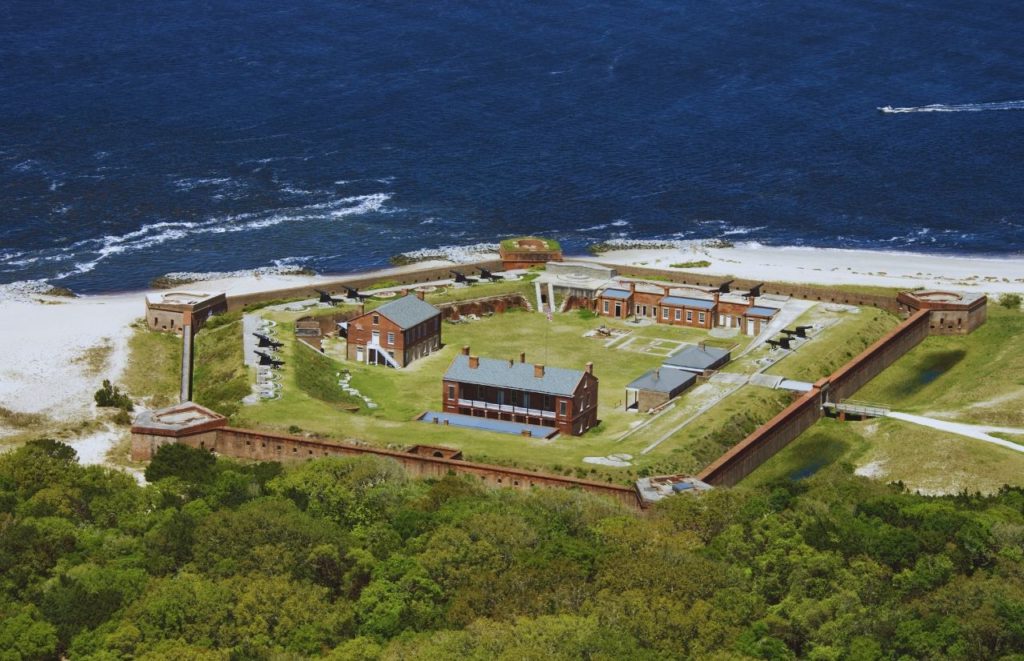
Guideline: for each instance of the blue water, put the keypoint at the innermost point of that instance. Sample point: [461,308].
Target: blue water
[140,138]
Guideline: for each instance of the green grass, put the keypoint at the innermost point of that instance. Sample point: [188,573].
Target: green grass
[404,394]
[220,378]
[972,378]
[923,459]
[317,375]
[697,264]
[154,364]
[510,244]
[832,349]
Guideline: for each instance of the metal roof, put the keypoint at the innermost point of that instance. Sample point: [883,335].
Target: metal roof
[761,311]
[683,301]
[518,376]
[615,293]
[407,311]
[665,380]
[693,357]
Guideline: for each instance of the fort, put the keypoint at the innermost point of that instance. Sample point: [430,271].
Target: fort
[925,313]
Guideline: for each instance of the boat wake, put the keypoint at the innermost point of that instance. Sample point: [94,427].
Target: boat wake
[962,107]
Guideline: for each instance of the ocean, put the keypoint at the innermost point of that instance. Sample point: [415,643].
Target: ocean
[142,138]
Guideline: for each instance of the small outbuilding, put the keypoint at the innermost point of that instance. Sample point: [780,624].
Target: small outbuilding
[657,387]
[171,311]
[698,359]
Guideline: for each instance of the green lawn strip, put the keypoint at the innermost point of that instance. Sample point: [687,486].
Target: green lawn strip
[318,376]
[721,427]
[895,451]
[976,378]
[832,349]
[220,378]
[154,364]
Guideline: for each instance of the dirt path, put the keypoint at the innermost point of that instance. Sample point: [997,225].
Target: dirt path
[978,432]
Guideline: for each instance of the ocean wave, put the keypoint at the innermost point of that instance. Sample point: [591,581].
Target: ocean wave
[280,267]
[23,290]
[456,254]
[956,107]
[98,249]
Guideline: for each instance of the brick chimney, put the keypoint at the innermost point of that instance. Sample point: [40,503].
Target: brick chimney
[538,371]
[522,356]
[465,350]
[667,291]
[420,295]
[590,368]
[718,295]
[474,362]
[632,287]
[404,292]
[750,299]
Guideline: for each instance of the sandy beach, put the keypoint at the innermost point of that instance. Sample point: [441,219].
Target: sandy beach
[835,266]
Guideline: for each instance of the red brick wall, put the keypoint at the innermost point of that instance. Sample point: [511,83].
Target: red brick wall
[262,446]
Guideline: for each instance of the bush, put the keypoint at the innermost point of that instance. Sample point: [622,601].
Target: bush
[1010,301]
[698,264]
[584,313]
[110,396]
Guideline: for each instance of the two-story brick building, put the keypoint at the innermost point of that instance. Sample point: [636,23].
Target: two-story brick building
[677,305]
[396,333]
[517,391]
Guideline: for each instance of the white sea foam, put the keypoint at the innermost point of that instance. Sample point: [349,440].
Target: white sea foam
[457,254]
[956,107]
[280,267]
[96,250]
[620,223]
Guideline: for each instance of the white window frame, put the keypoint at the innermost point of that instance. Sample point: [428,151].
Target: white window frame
[679,314]
[700,317]
[689,316]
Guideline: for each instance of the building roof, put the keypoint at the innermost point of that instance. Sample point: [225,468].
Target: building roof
[762,311]
[615,293]
[407,311]
[686,302]
[694,357]
[668,381]
[518,376]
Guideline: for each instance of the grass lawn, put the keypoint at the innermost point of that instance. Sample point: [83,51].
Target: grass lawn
[154,364]
[405,394]
[923,459]
[849,334]
[970,378]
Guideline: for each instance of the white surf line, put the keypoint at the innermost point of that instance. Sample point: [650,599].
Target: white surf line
[977,432]
[957,107]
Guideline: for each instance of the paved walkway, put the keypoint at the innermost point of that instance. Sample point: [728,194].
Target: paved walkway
[979,432]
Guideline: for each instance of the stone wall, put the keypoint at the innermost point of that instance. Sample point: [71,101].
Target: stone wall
[361,281]
[740,460]
[486,305]
[265,446]
[852,376]
[822,293]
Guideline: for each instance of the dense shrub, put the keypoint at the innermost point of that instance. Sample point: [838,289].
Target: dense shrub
[110,396]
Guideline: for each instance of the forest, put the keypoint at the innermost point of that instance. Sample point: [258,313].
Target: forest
[351,559]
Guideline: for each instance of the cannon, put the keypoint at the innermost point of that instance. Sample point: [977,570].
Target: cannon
[487,275]
[267,359]
[801,331]
[462,278]
[355,295]
[325,297]
[267,342]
